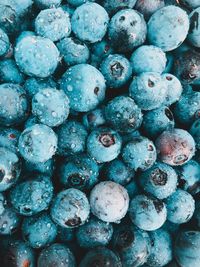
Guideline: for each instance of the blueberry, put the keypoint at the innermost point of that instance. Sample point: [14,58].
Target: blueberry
[76,138]
[39,230]
[109,201]
[37,143]
[157,120]
[112,6]
[76,3]
[9,72]
[94,233]
[140,153]
[90,22]
[175,147]
[101,256]
[53,23]
[175,21]
[45,168]
[161,248]
[189,177]
[32,56]
[127,30]
[187,108]
[171,228]
[65,234]
[9,219]
[43,4]
[103,144]
[94,118]
[187,66]
[9,19]
[56,255]
[68,8]
[30,121]
[180,207]
[10,168]
[73,51]
[9,139]
[13,104]
[147,213]
[79,171]
[148,90]
[160,180]
[147,8]
[20,254]
[32,196]
[187,248]
[174,88]
[4,43]
[50,107]
[85,87]
[197,213]
[70,208]
[116,70]
[170,62]
[132,189]
[195,132]
[118,172]
[194,32]
[132,244]
[123,114]
[148,58]
[190,3]
[35,85]
[99,51]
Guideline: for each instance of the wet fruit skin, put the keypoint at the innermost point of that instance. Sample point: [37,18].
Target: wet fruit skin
[123,114]
[14,107]
[127,30]
[132,244]
[79,172]
[186,248]
[32,196]
[116,70]
[148,58]
[53,23]
[160,241]
[180,207]
[147,213]
[39,231]
[104,144]
[94,233]
[176,23]
[160,180]
[113,204]
[10,169]
[175,147]
[85,87]
[95,30]
[56,255]
[186,66]
[76,138]
[148,90]
[101,256]
[70,208]
[139,153]
[19,254]
[157,120]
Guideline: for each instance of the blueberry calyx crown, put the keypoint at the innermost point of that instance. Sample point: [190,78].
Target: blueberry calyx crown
[107,139]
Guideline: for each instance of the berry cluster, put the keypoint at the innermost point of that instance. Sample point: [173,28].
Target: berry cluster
[99,133]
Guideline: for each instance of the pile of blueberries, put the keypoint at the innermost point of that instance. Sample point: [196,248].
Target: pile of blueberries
[99,133]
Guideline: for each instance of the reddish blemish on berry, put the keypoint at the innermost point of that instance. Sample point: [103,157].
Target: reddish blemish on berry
[12,136]
[26,263]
